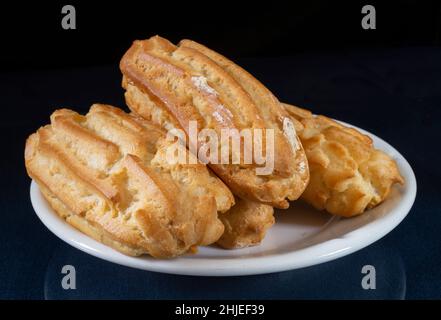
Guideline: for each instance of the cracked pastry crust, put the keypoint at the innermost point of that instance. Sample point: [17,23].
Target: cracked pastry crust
[347,174]
[246,224]
[105,173]
[171,85]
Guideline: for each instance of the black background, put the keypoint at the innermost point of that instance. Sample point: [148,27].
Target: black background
[32,35]
[310,53]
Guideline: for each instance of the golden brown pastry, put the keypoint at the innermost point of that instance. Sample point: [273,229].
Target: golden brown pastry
[173,85]
[246,224]
[347,174]
[105,173]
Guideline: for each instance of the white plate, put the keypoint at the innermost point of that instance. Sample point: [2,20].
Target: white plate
[301,236]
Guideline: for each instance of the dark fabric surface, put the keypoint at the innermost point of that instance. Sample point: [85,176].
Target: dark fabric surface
[394,93]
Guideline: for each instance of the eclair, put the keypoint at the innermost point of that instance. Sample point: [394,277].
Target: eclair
[106,174]
[347,174]
[175,86]
[246,224]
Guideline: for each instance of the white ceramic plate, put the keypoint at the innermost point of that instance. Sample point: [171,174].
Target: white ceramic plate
[301,236]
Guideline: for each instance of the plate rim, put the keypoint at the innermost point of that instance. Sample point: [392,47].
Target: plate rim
[332,249]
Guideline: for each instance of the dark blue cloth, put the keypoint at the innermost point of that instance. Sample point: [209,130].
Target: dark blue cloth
[394,93]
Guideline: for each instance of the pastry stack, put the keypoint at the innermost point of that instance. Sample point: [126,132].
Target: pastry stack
[108,174]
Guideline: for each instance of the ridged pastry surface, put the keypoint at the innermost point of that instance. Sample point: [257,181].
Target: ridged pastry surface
[105,173]
[173,85]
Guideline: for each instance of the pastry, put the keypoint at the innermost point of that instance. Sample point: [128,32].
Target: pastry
[105,173]
[347,174]
[246,224]
[174,85]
